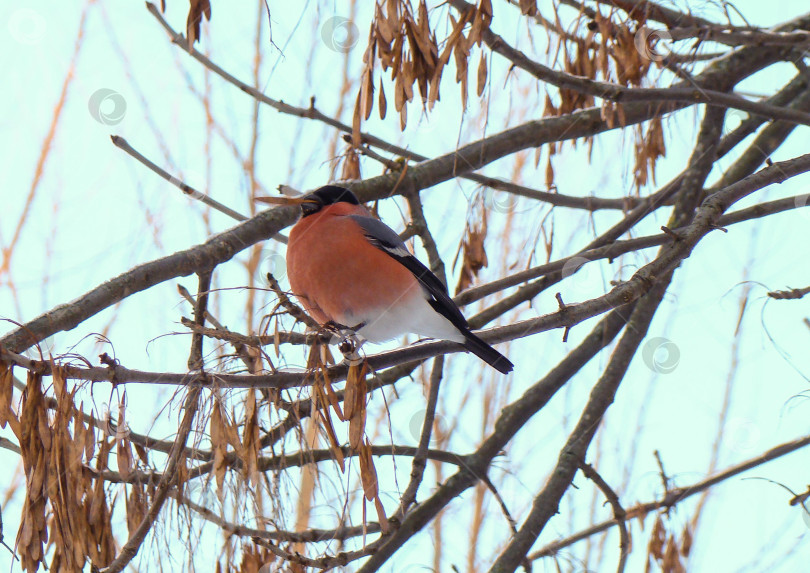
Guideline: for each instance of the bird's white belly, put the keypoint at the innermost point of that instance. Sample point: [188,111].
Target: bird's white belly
[411,314]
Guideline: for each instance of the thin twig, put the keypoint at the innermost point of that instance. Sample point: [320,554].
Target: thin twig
[676,495]
[222,332]
[195,358]
[510,421]
[254,340]
[619,513]
[133,544]
[620,247]
[588,203]
[790,293]
[418,464]
[122,143]
[293,309]
[680,93]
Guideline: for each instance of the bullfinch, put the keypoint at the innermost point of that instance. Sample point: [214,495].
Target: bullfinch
[352,272]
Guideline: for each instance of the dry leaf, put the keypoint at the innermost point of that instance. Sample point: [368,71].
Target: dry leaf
[672,559]
[482,74]
[250,441]
[658,537]
[549,173]
[474,255]
[356,379]
[686,544]
[368,473]
[143,455]
[384,27]
[332,398]
[33,532]
[351,171]
[528,7]
[136,507]
[381,517]
[357,137]
[334,445]
[349,396]
[382,104]
[6,393]
[124,457]
[367,93]
[196,10]
[219,445]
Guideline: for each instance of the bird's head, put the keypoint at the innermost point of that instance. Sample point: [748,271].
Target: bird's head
[315,201]
[325,196]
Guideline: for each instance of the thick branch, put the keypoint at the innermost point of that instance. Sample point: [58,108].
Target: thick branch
[511,420]
[546,504]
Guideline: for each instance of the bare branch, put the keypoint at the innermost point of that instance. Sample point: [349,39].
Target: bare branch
[122,143]
[676,495]
[130,548]
[195,359]
[418,465]
[680,93]
[512,418]
[619,514]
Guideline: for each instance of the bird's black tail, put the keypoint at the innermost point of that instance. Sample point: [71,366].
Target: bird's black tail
[486,353]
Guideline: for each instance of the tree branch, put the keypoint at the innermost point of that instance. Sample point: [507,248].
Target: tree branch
[510,421]
[133,544]
[676,495]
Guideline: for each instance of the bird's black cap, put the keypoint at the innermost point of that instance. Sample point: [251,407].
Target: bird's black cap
[327,195]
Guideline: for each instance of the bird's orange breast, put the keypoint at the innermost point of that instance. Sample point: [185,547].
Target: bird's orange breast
[337,274]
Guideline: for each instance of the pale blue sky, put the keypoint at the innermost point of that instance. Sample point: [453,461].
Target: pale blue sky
[97,213]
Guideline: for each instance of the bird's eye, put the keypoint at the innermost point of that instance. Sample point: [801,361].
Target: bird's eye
[310,206]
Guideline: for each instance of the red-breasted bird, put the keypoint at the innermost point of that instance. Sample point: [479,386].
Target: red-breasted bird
[353,272]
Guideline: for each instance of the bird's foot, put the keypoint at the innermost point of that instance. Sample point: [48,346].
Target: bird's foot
[350,347]
[337,331]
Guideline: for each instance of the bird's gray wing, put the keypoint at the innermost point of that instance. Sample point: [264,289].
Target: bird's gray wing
[386,239]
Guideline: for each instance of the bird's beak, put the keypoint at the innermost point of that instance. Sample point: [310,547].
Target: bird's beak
[308,204]
[282,200]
